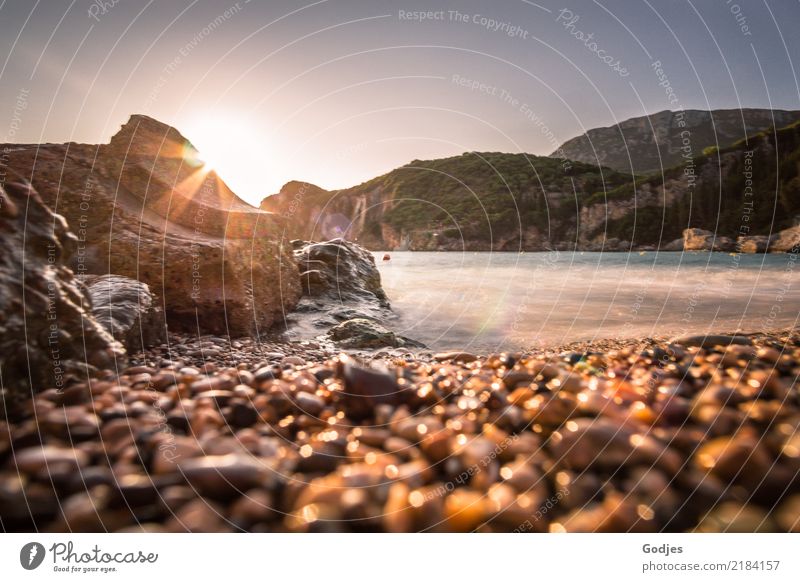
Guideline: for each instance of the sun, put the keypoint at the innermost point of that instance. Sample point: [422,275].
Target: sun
[235,151]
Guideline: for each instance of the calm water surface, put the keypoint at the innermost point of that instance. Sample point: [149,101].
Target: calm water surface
[501,301]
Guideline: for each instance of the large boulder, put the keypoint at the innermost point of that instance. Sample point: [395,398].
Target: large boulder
[127,310]
[697,239]
[342,294]
[145,206]
[340,281]
[341,270]
[47,334]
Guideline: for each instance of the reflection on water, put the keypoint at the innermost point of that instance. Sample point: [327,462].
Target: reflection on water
[503,301]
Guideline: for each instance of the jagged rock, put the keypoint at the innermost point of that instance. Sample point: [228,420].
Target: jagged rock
[786,241]
[340,269]
[144,206]
[127,310]
[367,334]
[342,293]
[47,333]
[753,244]
[697,239]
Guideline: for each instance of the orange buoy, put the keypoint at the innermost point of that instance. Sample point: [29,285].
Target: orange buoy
[386,257]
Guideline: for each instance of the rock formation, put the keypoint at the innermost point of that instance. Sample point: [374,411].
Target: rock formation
[341,270]
[127,310]
[696,239]
[362,333]
[786,241]
[47,334]
[340,282]
[753,244]
[145,207]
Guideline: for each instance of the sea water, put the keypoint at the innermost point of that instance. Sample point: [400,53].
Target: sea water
[508,301]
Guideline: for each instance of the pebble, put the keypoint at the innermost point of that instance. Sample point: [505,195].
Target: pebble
[365,388]
[199,515]
[223,476]
[461,357]
[700,436]
[734,517]
[36,459]
[213,383]
[788,515]
[710,341]
[290,361]
[309,403]
[465,510]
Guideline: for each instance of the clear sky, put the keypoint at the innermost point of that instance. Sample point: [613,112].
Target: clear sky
[338,91]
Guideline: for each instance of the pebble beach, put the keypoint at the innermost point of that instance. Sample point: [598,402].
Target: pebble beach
[207,434]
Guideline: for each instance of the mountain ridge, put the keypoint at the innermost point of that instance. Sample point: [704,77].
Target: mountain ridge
[521,202]
[658,140]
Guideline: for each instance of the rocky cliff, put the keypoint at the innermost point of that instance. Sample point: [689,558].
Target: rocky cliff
[47,334]
[745,193]
[476,201]
[144,206]
[661,140]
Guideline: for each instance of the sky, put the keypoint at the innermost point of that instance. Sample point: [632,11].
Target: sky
[335,92]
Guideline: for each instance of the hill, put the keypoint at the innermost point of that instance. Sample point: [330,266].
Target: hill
[512,202]
[662,140]
[475,201]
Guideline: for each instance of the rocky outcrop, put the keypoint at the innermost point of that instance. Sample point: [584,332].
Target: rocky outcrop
[127,310]
[47,334]
[340,282]
[786,241]
[342,294]
[341,270]
[658,141]
[696,239]
[145,207]
[366,334]
[753,244]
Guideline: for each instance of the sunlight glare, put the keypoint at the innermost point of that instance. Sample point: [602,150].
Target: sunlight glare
[233,149]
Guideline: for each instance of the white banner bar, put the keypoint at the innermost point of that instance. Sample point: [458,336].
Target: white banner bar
[370,557]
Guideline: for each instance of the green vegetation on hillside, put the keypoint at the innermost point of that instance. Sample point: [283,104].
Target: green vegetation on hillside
[484,193]
[735,204]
